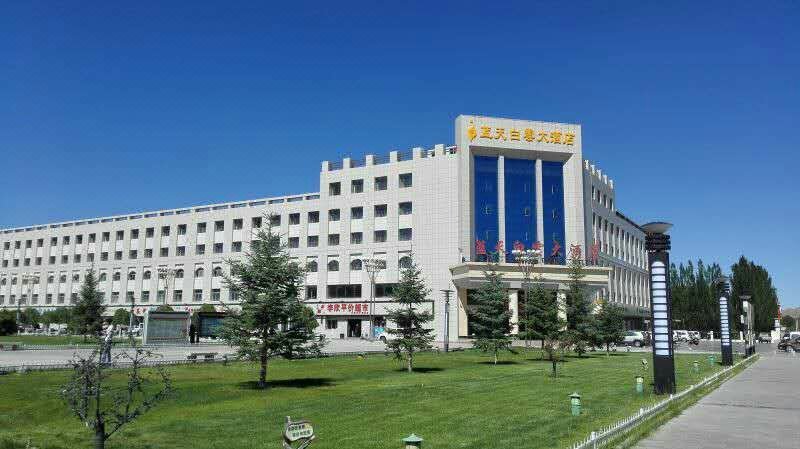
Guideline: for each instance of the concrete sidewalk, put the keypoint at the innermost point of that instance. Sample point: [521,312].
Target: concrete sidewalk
[759,408]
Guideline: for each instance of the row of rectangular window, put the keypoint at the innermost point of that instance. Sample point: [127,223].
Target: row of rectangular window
[380,183]
[356,238]
[356,213]
[334,292]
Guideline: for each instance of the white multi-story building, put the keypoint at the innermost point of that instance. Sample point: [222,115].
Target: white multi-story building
[504,180]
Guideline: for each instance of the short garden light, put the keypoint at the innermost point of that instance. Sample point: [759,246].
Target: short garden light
[711,359]
[413,442]
[639,384]
[575,403]
[696,366]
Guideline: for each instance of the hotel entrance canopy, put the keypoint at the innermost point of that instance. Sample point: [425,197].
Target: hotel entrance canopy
[469,275]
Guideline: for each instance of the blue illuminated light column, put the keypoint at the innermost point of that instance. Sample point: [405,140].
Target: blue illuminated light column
[657,243]
[724,320]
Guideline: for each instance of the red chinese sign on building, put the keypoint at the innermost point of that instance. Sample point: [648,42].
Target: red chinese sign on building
[480,247]
[342,308]
[575,252]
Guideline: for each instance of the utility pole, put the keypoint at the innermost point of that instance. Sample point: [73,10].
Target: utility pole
[447,293]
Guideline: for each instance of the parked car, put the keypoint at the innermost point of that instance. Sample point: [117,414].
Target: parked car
[634,338]
[680,335]
[764,338]
[791,343]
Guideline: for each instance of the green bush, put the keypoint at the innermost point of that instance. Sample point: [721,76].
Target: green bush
[8,323]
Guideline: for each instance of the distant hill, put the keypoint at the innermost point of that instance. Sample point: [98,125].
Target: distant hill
[791,311]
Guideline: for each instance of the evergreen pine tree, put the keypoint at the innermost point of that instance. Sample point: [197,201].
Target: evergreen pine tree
[490,317]
[87,314]
[542,320]
[581,324]
[610,324]
[411,335]
[271,321]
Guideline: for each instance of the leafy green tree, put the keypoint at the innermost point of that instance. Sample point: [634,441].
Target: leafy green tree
[490,318]
[87,314]
[754,280]
[581,323]
[121,317]
[164,308]
[272,320]
[610,324]
[30,317]
[411,335]
[8,323]
[788,322]
[205,308]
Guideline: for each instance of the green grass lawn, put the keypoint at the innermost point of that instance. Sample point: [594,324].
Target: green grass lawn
[50,339]
[456,400]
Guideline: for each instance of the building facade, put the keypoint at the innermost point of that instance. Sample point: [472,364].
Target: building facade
[504,181]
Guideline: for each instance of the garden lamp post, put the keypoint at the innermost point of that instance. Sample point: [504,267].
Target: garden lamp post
[657,243]
[723,287]
[447,292]
[412,442]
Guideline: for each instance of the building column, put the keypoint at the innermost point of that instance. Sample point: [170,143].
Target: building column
[539,203]
[513,306]
[501,205]
[461,305]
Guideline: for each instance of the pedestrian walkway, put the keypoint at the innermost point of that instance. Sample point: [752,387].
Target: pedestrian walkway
[758,408]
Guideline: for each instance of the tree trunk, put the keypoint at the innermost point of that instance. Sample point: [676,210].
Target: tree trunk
[542,353]
[100,436]
[495,357]
[555,366]
[410,360]
[262,375]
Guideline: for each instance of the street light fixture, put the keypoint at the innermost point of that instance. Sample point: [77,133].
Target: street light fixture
[723,285]
[167,275]
[447,292]
[657,243]
[373,266]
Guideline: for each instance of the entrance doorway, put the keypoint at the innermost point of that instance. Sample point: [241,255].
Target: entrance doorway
[354,328]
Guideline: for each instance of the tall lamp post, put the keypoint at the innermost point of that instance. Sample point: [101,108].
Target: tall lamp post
[166,275]
[27,280]
[657,243]
[747,324]
[373,266]
[447,292]
[723,287]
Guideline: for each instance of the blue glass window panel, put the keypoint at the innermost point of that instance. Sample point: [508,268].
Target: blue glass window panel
[553,210]
[485,217]
[520,203]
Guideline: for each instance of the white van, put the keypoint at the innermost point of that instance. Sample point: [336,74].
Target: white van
[681,335]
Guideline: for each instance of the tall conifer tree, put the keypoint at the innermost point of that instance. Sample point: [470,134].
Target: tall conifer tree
[411,334]
[490,316]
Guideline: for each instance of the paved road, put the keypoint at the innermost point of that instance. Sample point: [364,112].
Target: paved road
[759,408]
[60,356]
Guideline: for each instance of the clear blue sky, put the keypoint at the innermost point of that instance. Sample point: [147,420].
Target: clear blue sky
[115,108]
